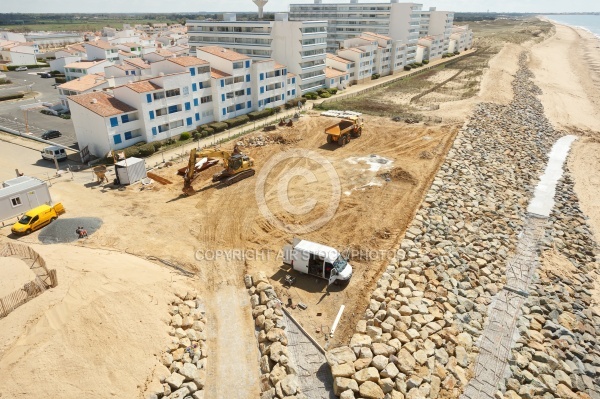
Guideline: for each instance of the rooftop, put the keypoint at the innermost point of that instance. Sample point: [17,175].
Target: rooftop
[334,73]
[339,59]
[84,64]
[221,52]
[188,61]
[216,74]
[143,86]
[101,44]
[83,83]
[377,35]
[137,62]
[102,104]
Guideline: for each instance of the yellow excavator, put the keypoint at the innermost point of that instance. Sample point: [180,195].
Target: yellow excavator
[237,166]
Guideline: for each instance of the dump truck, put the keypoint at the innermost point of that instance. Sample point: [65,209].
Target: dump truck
[346,129]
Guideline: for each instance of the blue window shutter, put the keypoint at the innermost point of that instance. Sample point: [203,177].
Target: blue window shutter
[249,104]
[114,122]
[189,121]
[224,111]
[260,103]
[193,71]
[262,76]
[201,86]
[124,118]
[332,81]
[293,92]
[154,131]
[149,98]
[222,82]
[194,87]
[248,78]
[195,102]
[262,89]
[248,92]
[117,139]
[247,64]
[151,115]
[285,71]
[283,97]
[188,106]
[127,135]
[197,116]
[222,97]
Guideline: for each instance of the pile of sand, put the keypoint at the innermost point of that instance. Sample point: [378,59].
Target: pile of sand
[13,274]
[95,335]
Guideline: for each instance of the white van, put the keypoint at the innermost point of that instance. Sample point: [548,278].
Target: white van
[317,260]
[49,153]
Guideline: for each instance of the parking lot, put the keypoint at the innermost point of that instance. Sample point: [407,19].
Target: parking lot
[12,116]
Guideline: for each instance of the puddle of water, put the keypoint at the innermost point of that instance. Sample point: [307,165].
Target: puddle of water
[543,196]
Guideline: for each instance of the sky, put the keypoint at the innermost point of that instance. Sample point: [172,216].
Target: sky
[91,6]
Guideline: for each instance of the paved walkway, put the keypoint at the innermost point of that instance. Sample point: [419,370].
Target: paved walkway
[500,333]
[314,374]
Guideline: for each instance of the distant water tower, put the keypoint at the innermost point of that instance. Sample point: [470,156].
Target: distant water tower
[261,5]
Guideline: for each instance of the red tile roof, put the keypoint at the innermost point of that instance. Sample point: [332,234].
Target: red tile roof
[229,55]
[102,104]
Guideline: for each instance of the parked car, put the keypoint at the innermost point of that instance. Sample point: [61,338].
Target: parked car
[51,134]
[49,153]
[46,75]
[21,68]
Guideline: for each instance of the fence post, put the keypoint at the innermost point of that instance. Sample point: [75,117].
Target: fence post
[4,312]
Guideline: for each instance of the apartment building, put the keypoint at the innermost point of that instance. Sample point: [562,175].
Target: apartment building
[342,64]
[399,21]
[182,93]
[337,78]
[82,85]
[461,38]
[78,69]
[101,50]
[436,25]
[300,45]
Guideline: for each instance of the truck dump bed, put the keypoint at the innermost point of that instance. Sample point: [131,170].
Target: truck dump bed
[341,127]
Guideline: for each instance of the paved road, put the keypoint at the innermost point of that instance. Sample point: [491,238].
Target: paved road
[13,117]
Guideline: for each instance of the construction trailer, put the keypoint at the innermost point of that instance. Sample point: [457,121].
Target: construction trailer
[130,170]
[21,194]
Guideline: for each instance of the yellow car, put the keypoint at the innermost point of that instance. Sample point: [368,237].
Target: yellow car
[37,218]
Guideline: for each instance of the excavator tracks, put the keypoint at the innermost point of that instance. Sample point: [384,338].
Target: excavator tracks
[239,176]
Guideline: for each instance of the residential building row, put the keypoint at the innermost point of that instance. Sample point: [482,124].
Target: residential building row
[178,94]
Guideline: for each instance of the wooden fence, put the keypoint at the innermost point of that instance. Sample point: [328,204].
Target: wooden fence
[44,278]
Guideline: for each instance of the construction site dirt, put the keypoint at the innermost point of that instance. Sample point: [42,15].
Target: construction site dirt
[220,233]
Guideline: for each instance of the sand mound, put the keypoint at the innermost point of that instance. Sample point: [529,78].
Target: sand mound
[94,335]
[13,274]
[399,174]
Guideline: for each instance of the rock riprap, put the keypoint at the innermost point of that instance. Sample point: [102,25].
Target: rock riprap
[182,374]
[278,377]
[420,333]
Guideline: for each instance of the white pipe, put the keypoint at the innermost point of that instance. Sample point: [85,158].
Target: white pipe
[337,320]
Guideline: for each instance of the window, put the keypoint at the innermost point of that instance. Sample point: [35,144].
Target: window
[188,121]
[248,92]
[114,122]
[163,128]
[262,89]
[16,201]
[195,102]
[197,116]
[238,65]
[239,79]
[260,103]
[222,97]
[206,99]
[222,82]
[224,111]
[117,139]
[173,92]
[193,71]
[293,80]
[154,132]
[204,69]
[128,136]
[247,78]
[159,95]
[247,64]
[205,85]
[249,104]
[176,124]
[149,98]
[194,87]
[186,91]
[174,108]
[160,112]
[188,106]
[124,118]
[262,76]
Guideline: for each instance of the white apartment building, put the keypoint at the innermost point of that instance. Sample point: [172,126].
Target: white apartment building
[82,85]
[399,21]
[438,26]
[300,45]
[183,92]
[101,50]
[342,64]
[78,69]
[433,47]
[461,38]
[363,59]
[336,78]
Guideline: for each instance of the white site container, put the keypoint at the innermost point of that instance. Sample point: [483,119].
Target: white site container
[130,170]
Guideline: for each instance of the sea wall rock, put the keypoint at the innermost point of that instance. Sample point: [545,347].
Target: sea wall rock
[183,369]
[419,335]
[278,376]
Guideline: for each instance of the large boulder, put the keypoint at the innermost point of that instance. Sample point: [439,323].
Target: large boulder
[175,380]
[341,384]
[370,390]
[340,355]
[368,374]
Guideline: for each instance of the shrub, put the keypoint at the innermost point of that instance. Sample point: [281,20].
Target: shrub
[418,64]
[65,116]
[184,136]
[407,67]
[294,103]
[60,80]
[146,150]
[260,114]
[46,112]
[311,95]
[375,76]
[133,151]
[333,91]
[209,131]
[11,97]
[425,62]
[325,95]
[276,110]
[5,81]
[237,121]
[53,73]
[218,126]
[157,144]
[456,52]
[196,136]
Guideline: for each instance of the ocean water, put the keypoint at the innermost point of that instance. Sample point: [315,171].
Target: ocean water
[587,22]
